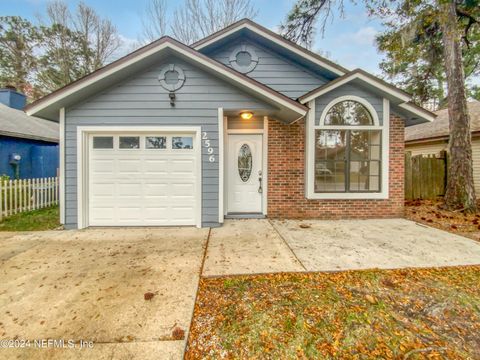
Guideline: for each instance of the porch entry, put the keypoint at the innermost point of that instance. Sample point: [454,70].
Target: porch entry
[244,174]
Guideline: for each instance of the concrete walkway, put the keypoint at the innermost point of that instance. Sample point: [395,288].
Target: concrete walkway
[379,243]
[261,246]
[248,247]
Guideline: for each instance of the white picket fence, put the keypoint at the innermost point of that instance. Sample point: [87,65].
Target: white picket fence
[17,196]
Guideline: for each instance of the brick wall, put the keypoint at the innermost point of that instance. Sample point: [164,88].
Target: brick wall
[286,178]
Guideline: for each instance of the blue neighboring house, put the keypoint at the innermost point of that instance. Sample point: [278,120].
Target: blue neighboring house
[28,145]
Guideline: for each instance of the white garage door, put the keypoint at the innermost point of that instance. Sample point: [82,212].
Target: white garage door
[142,179]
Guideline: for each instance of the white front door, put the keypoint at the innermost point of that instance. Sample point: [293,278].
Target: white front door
[244,173]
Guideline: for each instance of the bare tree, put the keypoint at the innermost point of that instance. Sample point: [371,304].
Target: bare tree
[194,19]
[154,20]
[98,37]
[74,44]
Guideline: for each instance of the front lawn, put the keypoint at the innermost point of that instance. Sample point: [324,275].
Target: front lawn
[43,219]
[371,314]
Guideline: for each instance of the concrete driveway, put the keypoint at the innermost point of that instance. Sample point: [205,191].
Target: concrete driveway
[260,246]
[90,285]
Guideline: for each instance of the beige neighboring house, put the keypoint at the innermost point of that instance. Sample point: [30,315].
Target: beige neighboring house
[432,137]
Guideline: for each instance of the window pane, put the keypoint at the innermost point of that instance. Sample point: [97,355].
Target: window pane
[156,142]
[348,113]
[330,160]
[103,142]
[129,142]
[182,142]
[364,161]
[244,162]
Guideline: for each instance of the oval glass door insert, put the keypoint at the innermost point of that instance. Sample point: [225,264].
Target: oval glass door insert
[245,162]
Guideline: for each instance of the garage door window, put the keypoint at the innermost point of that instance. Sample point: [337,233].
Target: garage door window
[182,142]
[129,142]
[155,142]
[103,142]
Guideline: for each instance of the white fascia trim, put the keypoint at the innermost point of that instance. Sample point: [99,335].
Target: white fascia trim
[377,84]
[61,167]
[220,165]
[83,133]
[415,111]
[310,161]
[152,51]
[276,41]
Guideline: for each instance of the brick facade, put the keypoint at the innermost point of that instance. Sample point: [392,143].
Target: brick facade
[286,179]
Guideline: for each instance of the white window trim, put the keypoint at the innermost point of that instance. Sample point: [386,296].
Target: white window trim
[83,133]
[310,149]
[370,108]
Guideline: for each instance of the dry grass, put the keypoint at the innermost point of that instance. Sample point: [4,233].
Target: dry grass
[373,314]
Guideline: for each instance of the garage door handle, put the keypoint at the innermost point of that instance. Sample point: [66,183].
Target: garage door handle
[260,190]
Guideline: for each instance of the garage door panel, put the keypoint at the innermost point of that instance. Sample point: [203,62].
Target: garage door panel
[155,167]
[135,187]
[129,166]
[182,188]
[156,213]
[182,213]
[129,189]
[182,166]
[102,190]
[105,214]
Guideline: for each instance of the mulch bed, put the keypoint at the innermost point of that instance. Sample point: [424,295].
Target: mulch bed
[432,213]
[371,314]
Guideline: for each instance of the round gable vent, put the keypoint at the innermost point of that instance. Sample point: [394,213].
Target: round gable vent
[171,77]
[244,58]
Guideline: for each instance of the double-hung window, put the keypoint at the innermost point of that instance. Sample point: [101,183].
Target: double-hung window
[348,151]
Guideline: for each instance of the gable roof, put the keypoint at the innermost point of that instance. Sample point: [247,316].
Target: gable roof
[439,129]
[249,25]
[350,76]
[402,98]
[49,105]
[15,123]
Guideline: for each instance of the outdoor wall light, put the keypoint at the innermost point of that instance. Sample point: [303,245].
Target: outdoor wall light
[246,115]
[171,95]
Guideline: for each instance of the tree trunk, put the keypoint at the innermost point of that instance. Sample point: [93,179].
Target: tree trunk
[460,193]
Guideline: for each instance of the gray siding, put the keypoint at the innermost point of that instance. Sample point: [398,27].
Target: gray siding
[140,100]
[344,90]
[274,70]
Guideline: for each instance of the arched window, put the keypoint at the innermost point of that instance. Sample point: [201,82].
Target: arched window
[348,112]
[348,148]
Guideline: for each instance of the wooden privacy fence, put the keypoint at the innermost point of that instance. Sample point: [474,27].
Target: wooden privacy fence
[425,175]
[17,196]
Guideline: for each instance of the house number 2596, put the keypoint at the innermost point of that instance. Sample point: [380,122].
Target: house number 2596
[206,142]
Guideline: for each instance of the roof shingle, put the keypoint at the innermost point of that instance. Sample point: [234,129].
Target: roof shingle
[16,123]
[440,127]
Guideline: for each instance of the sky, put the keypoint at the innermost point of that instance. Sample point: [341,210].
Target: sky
[348,40]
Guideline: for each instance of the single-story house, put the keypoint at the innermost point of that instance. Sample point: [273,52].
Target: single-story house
[28,144]
[227,127]
[432,138]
